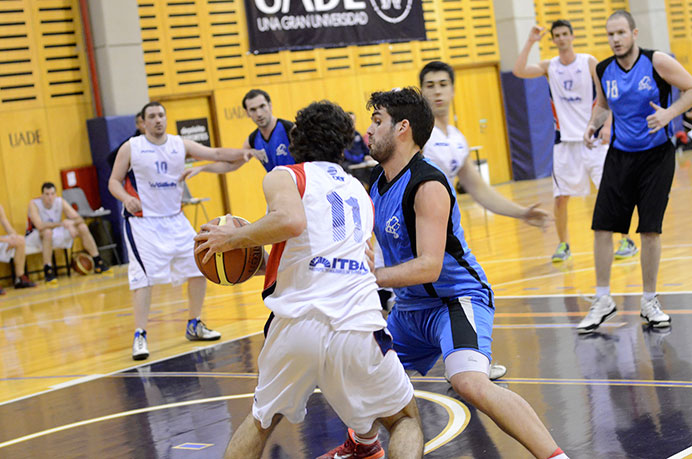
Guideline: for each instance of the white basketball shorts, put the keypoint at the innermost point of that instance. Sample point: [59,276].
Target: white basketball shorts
[160,250]
[6,252]
[61,240]
[574,165]
[359,378]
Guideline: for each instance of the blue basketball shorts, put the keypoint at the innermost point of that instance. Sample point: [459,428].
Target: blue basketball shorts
[420,336]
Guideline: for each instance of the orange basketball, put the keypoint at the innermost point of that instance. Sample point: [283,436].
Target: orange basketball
[234,266]
[82,263]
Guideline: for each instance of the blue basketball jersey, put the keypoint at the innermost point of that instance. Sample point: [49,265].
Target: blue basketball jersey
[276,146]
[395,229]
[628,93]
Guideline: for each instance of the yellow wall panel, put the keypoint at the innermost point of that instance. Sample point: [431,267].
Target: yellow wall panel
[67,140]
[461,31]
[588,18]
[345,92]
[679,15]
[58,27]
[19,69]
[479,111]
[26,160]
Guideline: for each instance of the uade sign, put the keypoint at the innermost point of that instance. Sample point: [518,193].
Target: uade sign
[301,24]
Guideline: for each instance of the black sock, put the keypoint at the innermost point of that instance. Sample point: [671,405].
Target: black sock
[97,260]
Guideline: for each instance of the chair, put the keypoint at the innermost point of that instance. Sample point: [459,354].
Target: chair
[197,202]
[77,199]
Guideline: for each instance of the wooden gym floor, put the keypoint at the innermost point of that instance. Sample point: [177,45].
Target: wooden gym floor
[68,386]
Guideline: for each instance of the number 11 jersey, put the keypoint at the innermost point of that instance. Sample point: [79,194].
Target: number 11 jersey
[324,269]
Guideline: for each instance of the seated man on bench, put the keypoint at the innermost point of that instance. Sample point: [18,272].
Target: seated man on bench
[46,222]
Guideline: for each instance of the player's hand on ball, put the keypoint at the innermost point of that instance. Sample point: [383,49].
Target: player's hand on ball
[214,239]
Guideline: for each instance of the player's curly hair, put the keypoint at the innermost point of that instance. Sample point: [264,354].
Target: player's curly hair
[407,103]
[321,133]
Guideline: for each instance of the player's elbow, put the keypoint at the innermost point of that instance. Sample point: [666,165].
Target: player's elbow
[293,224]
[111,185]
[430,270]
[519,72]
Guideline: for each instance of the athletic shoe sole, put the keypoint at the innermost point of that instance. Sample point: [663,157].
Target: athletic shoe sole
[195,338]
[656,324]
[592,328]
[625,257]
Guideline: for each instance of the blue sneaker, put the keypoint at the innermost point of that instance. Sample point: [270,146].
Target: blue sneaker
[197,331]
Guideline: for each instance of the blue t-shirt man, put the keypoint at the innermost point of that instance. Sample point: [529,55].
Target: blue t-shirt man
[276,146]
[629,93]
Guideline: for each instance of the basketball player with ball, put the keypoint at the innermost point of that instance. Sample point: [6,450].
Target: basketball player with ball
[159,238]
[326,328]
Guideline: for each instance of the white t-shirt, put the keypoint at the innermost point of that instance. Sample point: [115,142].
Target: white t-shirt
[448,152]
[154,173]
[52,215]
[325,268]
[572,93]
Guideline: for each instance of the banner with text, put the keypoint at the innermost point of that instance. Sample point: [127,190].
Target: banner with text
[301,24]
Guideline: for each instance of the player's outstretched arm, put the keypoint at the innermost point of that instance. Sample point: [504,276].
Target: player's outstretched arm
[431,207]
[284,220]
[489,198]
[675,75]
[521,68]
[217,168]
[230,155]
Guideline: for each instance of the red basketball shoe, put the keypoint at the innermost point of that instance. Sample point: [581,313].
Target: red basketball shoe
[353,450]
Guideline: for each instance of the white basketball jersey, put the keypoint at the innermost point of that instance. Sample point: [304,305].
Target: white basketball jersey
[572,93]
[448,152]
[52,215]
[325,268]
[154,173]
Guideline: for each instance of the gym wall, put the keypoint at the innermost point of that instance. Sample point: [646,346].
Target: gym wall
[45,100]
[200,47]
[679,16]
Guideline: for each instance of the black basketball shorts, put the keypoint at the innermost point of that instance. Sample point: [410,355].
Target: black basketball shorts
[642,179]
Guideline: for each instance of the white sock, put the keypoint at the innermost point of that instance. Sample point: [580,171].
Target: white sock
[648,296]
[364,440]
[602,291]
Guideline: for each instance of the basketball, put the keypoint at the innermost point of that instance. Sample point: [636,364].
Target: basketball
[234,266]
[82,263]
